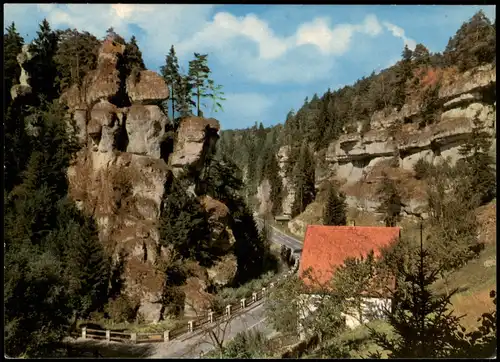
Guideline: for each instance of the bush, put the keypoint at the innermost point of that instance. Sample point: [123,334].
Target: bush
[421,169]
[120,310]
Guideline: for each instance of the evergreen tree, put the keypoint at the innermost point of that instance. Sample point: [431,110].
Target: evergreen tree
[334,212]
[184,102]
[184,226]
[423,323]
[421,55]
[473,44]
[170,72]
[303,176]
[42,67]
[75,57]
[216,95]
[198,75]
[12,46]
[390,199]
[478,174]
[132,59]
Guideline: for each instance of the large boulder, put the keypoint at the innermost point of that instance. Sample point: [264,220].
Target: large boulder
[147,87]
[196,140]
[145,129]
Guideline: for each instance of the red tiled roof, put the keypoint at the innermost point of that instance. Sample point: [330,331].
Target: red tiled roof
[326,247]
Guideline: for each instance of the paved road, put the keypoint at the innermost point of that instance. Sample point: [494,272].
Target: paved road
[278,237]
[199,342]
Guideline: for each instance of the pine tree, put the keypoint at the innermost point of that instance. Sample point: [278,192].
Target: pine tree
[473,44]
[184,101]
[75,57]
[198,75]
[421,55]
[334,212]
[133,59]
[184,226]
[303,176]
[476,166]
[170,72]
[42,67]
[216,95]
[390,205]
[423,323]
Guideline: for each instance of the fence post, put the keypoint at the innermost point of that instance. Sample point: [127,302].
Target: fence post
[190,326]
[210,317]
[228,310]
[166,336]
[84,332]
[133,337]
[108,335]
[243,303]
[254,297]
[263,291]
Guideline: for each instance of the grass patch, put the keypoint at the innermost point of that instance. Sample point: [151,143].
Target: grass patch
[359,342]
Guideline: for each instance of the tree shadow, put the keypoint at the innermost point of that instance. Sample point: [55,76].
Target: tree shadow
[99,349]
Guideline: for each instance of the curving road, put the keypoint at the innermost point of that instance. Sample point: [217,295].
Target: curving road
[279,237]
[193,345]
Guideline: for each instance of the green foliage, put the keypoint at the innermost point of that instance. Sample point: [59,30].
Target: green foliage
[42,67]
[249,344]
[478,175]
[473,44]
[120,310]
[76,56]
[303,177]
[170,72]
[198,75]
[421,169]
[335,210]
[424,326]
[390,201]
[12,46]
[57,268]
[216,95]
[184,225]
[452,217]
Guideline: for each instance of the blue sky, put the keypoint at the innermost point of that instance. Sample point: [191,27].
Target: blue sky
[267,57]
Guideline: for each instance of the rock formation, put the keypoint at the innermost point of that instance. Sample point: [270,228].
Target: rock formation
[355,157]
[120,174]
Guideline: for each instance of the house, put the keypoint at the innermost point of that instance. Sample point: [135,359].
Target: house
[326,247]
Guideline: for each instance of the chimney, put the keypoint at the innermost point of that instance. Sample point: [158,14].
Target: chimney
[352,223]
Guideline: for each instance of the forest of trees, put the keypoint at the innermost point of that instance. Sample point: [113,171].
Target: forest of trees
[321,120]
[57,270]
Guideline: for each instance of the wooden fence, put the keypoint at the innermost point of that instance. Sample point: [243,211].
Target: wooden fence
[209,317]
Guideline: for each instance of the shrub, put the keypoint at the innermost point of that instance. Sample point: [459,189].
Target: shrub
[120,310]
[421,169]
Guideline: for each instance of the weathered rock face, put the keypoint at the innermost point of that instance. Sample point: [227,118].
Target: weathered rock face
[147,88]
[196,139]
[264,197]
[467,97]
[464,100]
[119,175]
[287,183]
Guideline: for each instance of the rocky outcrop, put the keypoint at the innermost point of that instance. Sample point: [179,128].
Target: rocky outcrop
[121,173]
[23,88]
[289,195]
[395,138]
[196,140]
[466,99]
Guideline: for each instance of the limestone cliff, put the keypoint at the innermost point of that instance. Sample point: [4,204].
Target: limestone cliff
[126,161]
[357,159]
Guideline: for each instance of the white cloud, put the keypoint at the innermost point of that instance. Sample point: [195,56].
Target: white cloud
[400,33]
